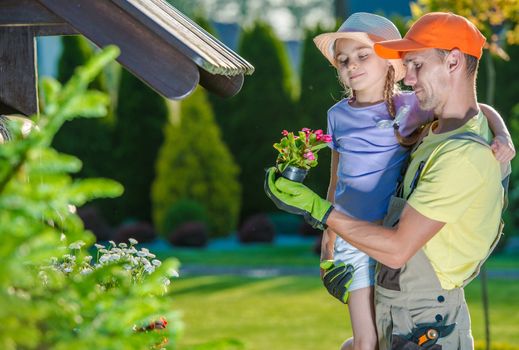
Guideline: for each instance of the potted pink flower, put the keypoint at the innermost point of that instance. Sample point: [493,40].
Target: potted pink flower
[298,153]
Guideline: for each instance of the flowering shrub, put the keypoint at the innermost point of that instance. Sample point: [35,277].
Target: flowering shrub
[137,264]
[301,150]
[71,302]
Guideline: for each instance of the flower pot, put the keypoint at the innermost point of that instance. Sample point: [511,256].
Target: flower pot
[294,173]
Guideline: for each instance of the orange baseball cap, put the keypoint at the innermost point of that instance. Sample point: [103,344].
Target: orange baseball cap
[436,30]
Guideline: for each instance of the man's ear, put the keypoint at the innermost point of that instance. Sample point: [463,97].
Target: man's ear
[454,60]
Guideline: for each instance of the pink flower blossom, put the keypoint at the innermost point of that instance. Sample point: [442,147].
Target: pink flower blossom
[318,134]
[326,138]
[309,155]
[306,130]
[284,132]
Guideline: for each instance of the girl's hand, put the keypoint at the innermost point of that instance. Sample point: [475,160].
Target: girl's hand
[503,148]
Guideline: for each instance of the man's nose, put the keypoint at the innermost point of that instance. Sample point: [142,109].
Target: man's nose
[410,78]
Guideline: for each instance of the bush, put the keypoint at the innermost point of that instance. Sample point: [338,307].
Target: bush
[195,164]
[48,297]
[190,234]
[180,212]
[306,230]
[256,229]
[141,231]
[285,222]
[94,221]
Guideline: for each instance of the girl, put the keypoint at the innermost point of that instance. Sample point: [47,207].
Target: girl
[371,131]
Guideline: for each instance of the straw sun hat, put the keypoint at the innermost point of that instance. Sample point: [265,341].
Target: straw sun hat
[366,28]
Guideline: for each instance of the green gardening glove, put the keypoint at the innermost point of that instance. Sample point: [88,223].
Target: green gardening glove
[337,279]
[296,198]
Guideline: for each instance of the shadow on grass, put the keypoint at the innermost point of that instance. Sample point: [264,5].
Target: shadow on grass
[212,284]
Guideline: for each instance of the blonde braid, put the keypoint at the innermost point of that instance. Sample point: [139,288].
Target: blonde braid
[389,90]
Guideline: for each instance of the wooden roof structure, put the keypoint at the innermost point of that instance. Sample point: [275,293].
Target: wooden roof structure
[158,44]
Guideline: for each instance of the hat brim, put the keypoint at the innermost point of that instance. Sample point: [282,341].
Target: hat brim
[325,43]
[394,49]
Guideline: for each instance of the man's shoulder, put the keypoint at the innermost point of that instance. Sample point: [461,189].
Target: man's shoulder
[469,155]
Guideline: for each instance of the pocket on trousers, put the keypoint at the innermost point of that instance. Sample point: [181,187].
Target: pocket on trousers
[466,342]
[384,325]
[401,321]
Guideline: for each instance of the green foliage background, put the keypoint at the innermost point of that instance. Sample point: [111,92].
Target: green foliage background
[138,135]
[195,164]
[320,89]
[41,308]
[253,120]
[87,138]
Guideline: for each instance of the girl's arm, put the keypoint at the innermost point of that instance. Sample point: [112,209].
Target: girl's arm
[328,240]
[502,144]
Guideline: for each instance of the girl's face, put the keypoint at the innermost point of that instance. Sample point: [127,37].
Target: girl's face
[360,68]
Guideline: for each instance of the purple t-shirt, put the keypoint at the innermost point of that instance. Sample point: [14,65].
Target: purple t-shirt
[370,158]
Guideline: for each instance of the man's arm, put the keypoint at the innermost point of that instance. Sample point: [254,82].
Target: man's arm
[392,247]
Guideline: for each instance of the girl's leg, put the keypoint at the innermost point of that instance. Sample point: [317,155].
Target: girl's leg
[362,315]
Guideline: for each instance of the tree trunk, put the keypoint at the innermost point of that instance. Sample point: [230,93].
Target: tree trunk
[491,79]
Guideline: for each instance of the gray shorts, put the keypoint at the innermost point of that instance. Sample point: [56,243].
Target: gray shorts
[364,275]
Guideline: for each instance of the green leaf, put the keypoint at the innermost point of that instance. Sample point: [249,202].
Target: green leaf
[89,104]
[86,190]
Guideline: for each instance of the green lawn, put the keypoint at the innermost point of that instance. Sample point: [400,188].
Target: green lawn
[248,255]
[286,313]
[300,255]
[294,312]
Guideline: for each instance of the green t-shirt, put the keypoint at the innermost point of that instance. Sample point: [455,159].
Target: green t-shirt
[460,185]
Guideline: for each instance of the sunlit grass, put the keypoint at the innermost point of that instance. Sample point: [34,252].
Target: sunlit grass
[297,313]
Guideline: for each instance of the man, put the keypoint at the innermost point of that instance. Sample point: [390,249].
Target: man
[433,247]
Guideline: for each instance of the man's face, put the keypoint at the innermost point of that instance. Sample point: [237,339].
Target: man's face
[427,74]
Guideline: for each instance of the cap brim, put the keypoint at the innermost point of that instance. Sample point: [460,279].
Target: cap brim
[393,49]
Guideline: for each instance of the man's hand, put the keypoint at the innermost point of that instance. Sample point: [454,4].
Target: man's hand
[337,279]
[503,148]
[296,198]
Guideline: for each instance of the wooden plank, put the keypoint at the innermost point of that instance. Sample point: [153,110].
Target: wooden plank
[18,74]
[26,12]
[221,85]
[54,29]
[143,53]
[180,31]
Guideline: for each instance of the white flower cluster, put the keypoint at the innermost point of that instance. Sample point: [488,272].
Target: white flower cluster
[137,263]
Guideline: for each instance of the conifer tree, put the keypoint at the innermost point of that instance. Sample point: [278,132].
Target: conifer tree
[320,89]
[138,134]
[195,164]
[88,139]
[253,120]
